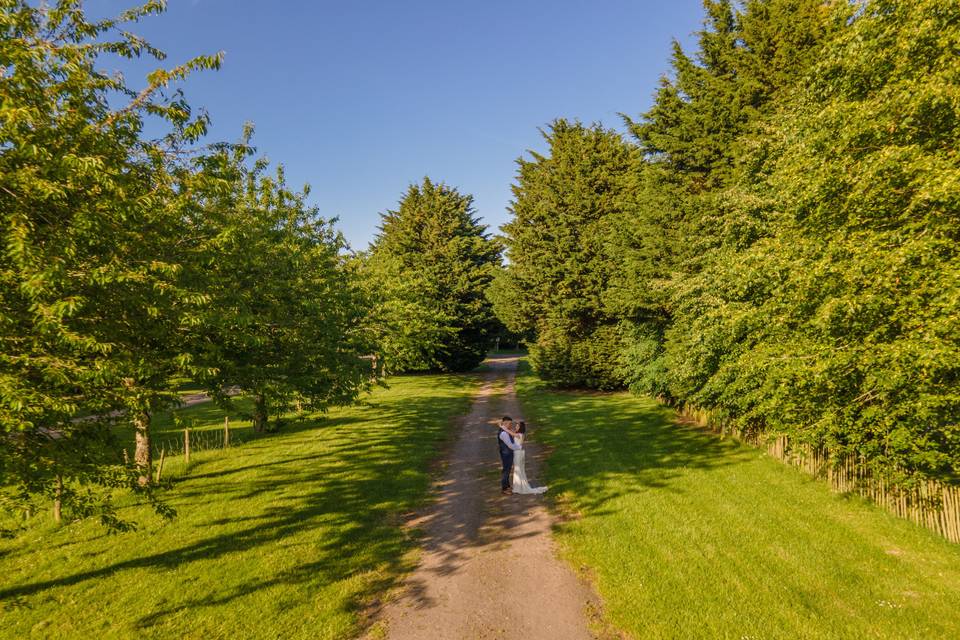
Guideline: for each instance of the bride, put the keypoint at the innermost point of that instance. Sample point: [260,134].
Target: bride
[519,476]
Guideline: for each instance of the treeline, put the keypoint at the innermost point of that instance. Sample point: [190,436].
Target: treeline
[131,262]
[774,242]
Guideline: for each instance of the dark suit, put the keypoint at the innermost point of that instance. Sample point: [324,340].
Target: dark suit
[506,457]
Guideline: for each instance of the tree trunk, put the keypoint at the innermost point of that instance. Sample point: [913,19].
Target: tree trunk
[260,413]
[143,455]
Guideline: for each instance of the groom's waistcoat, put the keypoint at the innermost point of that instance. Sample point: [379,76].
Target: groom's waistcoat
[504,449]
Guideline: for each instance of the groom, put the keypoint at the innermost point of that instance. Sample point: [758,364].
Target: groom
[507,447]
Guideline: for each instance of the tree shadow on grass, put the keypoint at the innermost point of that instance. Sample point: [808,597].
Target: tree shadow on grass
[349,479]
[603,446]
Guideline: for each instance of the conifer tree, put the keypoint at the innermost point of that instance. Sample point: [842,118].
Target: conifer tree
[427,273]
[706,119]
[837,324]
[556,282]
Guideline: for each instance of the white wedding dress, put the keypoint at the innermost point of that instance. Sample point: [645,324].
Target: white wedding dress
[518,477]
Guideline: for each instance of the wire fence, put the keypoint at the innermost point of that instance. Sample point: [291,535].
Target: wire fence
[199,440]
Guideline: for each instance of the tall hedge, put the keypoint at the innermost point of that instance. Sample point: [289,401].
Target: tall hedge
[781,247]
[836,321]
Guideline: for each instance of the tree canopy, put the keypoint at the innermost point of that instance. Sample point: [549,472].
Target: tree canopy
[427,272]
[130,260]
[560,267]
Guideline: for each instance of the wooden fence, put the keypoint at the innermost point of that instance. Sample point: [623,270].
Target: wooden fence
[193,439]
[932,504]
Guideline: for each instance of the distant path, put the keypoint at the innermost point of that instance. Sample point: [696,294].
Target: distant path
[186,400]
[488,567]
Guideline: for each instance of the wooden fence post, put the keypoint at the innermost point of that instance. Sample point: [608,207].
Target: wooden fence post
[186,445]
[163,454]
[226,431]
[57,500]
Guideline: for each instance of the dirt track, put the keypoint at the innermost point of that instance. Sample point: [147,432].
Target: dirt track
[488,567]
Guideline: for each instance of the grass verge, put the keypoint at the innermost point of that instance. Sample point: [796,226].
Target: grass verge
[691,536]
[285,536]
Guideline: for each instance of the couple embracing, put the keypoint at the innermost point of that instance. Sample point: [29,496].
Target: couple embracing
[513,479]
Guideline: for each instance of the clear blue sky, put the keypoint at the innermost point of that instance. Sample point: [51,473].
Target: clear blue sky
[360,98]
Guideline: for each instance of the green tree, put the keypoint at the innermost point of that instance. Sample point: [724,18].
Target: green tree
[91,301]
[557,281]
[427,272]
[508,305]
[838,324]
[702,134]
[285,312]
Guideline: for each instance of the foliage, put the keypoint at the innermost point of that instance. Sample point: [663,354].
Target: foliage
[426,274]
[129,262]
[285,310]
[706,117]
[783,253]
[507,301]
[91,305]
[838,325]
[556,281]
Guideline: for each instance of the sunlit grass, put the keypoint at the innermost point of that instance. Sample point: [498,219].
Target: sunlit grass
[284,536]
[690,536]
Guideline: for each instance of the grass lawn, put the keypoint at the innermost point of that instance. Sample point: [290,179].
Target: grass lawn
[284,536]
[691,536]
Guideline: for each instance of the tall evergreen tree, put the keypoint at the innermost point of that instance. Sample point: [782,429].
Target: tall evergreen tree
[559,265]
[706,120]
[427,271]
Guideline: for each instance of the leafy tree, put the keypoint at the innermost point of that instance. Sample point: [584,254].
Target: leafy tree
[405,322]
[837,325]
[556,283]
[427,273]
[508,306]
[285,312]
[91,301]
[699,138]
